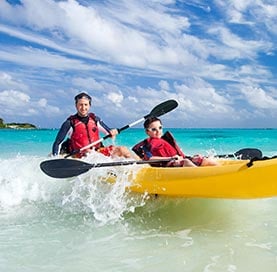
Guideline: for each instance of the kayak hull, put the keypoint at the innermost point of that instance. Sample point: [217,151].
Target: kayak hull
[231,179]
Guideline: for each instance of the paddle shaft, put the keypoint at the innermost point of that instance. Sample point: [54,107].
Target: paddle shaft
[108,136]
[67,168]
[122,163]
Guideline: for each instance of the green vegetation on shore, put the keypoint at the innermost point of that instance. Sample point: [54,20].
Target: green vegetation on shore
[16,125]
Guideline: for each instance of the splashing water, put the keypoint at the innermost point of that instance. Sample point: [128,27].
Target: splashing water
[21,180]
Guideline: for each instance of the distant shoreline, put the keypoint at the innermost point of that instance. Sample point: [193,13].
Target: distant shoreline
[18,126]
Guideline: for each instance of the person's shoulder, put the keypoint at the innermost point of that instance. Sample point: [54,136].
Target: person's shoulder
[71,117]
[94,117]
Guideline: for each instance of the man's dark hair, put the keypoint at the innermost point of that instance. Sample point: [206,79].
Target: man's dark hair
[81,95]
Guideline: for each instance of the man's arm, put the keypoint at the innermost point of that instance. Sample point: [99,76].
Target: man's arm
[60,137]
[102,124]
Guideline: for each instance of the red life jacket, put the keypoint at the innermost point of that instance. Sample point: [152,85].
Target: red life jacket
[166,146]
[83,134]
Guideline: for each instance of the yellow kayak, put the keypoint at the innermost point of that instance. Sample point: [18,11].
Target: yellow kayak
[232,179]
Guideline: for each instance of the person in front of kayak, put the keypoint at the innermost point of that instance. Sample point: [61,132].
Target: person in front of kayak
[159,145]
[83,128]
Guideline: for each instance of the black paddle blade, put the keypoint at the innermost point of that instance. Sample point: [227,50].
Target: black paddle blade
[163,108]
[64,168]
[244,154]
[249,153]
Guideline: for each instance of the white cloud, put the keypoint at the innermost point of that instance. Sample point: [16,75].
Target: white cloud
[164,85]
[8,82]
[149,15]
[15,103]
[236,46]
[104,36]
[42,102]
[45,12]
[88,83]
[14,98]
[116,98]
[40,58]
[150,35]
[199,99]
[255,13]
[259,98]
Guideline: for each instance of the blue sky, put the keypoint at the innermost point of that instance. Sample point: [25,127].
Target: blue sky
[216,58]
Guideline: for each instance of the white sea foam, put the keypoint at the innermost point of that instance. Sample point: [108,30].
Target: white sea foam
[21,180]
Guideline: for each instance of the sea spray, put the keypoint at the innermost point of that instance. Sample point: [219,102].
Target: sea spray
[103,191]
[22,181]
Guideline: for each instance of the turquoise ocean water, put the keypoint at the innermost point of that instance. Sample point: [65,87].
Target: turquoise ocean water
[82,224]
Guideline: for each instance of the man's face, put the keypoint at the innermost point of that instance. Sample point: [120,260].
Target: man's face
[83,107]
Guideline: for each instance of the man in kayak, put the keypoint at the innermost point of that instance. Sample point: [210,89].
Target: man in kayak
[83,129]
[160,145]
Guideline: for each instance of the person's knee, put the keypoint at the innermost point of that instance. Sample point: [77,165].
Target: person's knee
[125,152]
[121,151]
[209,162]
